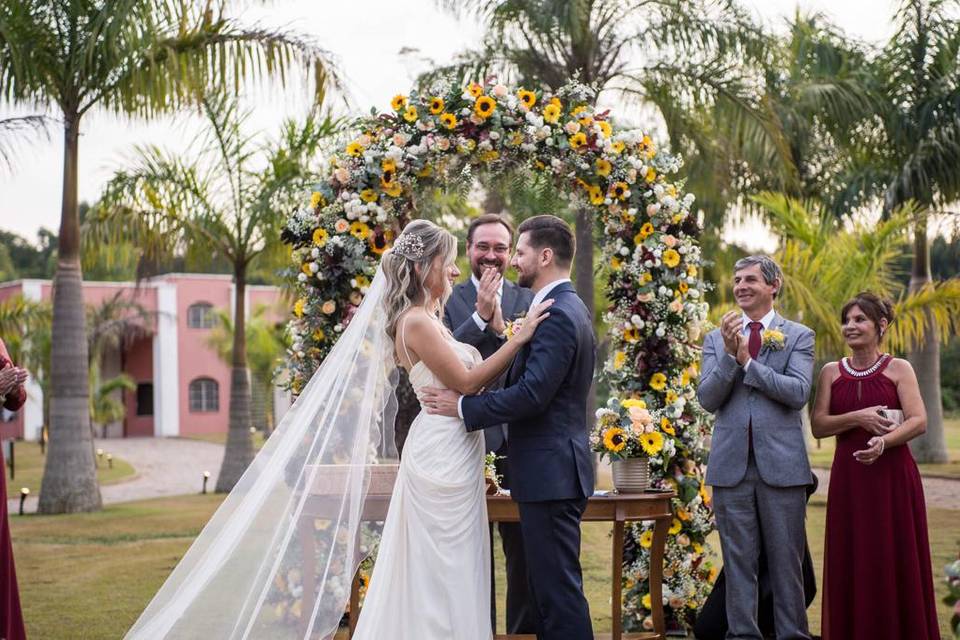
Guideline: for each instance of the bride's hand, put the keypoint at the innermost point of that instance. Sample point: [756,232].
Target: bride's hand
[537,315]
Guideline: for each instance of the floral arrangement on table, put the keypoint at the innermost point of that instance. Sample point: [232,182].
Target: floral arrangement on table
[490,472]
[652,258]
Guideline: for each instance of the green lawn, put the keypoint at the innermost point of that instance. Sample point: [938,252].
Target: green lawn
[822,453]
[29,469]
[221,438]
[90,575]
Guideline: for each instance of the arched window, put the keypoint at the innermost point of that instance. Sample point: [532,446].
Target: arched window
[204,395]
[200,316]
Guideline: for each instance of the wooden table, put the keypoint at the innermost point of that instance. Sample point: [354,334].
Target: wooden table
[616,508]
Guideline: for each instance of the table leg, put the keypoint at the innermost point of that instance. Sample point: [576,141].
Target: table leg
[617,600]
[656,574]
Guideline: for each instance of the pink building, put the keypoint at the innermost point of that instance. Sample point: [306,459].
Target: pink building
[183,388]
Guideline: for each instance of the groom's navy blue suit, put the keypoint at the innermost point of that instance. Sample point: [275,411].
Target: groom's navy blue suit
[544,402]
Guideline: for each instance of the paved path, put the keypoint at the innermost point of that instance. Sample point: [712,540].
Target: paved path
[164,467]
[940,493]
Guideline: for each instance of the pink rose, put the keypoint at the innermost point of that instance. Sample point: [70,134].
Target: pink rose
[342,175]
[499,90]
[572,127]
[670,241]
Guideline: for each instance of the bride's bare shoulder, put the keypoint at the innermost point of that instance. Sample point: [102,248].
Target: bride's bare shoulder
[416,321]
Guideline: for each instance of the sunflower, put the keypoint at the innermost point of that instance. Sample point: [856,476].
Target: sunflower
[614,439]
[489,155]
[651,175]
[475,90]
[388,164]
[671,258]
[619,359]
[362,281]
[410,114]
[393,189]
[398,102]
[484,106]
[675,527]
[448,120]
[515,139]
[528,98]
[595,193]
[586,121]
[359,230]
[683,287]
[658,381]
[368,195]
[645,231]
[619,190]
[603,167]
[651,443]
[617,147]
[299,306]
[436,105]
[578,140]
[387,178]
[320,237]
[355,149]
[671,397]
[551,113]
[631,335]
[317,199]
[605,128]
[667,427]
[646,539]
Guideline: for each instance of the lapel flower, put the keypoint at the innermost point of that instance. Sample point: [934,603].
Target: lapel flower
[773,340]
[514,326]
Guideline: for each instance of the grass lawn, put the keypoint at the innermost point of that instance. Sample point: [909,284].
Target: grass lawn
[822,454]
[88,576]
[29,469]
[221,438]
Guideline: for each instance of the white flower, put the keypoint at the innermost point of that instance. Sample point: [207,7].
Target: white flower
[302,277]
[494,135]
[637,321]
[533,119]
[315,252]
[624,251]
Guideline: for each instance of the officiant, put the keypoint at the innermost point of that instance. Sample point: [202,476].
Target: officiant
[477,313]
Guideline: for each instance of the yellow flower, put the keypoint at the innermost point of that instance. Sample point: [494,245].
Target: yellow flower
[605,128]
[528,98]
[329,307]
[359,230]
[410,114]
[355,149]
[633,402]
[651,443]
[320,237]
[436,105]
[298,307]
[619,190]
[389,165]
[448,120]
[666,427]
[362,281]
[619,359]
[615,263]
[671,397]
[475,89]
[603,167]
[489,156]
[697,548]
[631,335]
[393,189]
[645,232]
[425,172]
[595,193]
[658,381]
[651,175]
[319,335]
[578,110]
[379,243]
[617,147]
[515,139]
[614,439]
[646,539]
[773,339]
[646,601]
[398,102]
[368,195]
[484,106]
[551,113]
[684,515]
[578,140]
[305,267]
[683,287]
[675,527]
[671,258]
[316,199]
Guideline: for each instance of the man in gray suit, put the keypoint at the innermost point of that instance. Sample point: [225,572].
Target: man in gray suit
[756,375]
[477,313]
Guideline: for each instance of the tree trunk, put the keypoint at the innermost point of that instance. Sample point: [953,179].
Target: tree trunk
[239,451]
[69,476]
[925,358]
[583,277]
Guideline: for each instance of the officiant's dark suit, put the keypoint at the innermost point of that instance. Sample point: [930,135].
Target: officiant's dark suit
[461,317]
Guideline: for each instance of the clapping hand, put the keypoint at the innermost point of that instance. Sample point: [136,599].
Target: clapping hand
[872,420]
[488,294]
[873,451]
[11,378]
[731,328]
[538,313]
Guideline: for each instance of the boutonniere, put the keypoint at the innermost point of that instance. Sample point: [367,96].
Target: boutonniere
[773,340]
[514,325]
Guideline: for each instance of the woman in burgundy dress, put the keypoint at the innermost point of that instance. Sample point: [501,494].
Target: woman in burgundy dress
[877,580]
[12,397]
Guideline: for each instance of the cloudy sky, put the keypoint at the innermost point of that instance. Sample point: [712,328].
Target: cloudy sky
[367,37]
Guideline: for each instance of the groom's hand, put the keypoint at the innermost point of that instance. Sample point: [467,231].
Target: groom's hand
[441,402]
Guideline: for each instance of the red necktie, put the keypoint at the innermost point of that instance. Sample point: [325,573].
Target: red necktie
[755,340]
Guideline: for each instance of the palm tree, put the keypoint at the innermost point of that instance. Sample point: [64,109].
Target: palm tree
[13,128]
[133,57]
[225,198]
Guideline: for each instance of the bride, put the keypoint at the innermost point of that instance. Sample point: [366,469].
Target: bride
[277,558]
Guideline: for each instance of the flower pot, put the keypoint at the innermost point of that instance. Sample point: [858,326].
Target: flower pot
[631,475]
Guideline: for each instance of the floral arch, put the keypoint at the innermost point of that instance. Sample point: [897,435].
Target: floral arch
[652,267]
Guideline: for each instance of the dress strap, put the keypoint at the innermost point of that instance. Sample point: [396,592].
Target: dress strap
[403,340]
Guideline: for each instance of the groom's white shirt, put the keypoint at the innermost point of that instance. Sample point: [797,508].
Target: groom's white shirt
[765,321]
[539,297]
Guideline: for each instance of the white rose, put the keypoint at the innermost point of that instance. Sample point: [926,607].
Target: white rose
[302,277]
[494,135]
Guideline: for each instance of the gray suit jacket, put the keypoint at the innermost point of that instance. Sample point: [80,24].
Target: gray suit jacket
[770,396]
[457,316]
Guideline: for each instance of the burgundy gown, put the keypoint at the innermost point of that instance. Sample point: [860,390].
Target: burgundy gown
[877,580]
[11,617]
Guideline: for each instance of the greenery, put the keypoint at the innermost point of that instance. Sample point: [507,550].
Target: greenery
[29,469]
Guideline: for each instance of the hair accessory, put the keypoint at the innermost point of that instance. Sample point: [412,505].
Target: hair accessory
[409,245]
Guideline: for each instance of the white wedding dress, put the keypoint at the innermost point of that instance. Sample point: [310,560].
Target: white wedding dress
[431,580]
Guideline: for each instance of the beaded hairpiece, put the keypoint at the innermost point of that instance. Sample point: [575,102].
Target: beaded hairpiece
[410,246]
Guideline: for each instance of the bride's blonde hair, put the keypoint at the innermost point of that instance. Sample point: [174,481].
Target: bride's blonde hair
[417,246]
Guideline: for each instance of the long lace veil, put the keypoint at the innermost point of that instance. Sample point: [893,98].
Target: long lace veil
[277,558]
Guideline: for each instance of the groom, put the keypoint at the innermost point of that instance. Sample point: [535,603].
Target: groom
[544,403]
[757,373]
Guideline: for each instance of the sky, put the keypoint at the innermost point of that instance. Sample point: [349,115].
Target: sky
[366,37]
